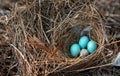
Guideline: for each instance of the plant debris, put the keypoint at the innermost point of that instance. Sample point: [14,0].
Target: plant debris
[35,36]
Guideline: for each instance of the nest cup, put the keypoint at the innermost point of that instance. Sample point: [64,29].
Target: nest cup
[94,32]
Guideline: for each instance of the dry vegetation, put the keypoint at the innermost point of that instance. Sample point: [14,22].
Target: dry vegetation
[36,35]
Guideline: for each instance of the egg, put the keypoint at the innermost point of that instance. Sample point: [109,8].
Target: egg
[83,41]
[83,53]
[75,50]
[91,46]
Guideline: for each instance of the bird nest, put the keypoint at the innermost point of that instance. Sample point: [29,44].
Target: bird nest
[41,37]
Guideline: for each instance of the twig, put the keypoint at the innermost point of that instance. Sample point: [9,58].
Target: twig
[38,45]
[58,48]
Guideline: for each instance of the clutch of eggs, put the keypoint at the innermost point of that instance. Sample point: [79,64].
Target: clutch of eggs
[84,47]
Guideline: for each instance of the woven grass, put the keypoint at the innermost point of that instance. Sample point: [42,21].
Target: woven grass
[41,33]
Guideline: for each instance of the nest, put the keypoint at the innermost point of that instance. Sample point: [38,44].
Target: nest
[41,37]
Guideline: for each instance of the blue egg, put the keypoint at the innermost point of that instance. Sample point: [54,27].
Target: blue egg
[83,42]
[75,50]
[91,46]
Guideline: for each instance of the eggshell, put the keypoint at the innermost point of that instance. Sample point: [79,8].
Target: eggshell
[91,46]
[83,53]
[83,41]
[75,50]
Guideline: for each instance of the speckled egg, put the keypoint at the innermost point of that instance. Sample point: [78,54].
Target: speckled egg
[83,53]
[91,46]
[75,50]
[83,41]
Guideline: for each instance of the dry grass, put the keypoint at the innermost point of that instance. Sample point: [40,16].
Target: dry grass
[38,35]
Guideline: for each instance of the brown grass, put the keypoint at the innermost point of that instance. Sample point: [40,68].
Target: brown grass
[39,34]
